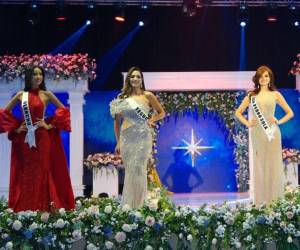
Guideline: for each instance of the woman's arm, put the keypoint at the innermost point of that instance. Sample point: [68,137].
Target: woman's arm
[117,125]
[10,106]
[157,106]
[283,104]
[14,101]
[241,109]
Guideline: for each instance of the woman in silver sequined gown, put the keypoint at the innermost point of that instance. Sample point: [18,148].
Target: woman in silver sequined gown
[134,137]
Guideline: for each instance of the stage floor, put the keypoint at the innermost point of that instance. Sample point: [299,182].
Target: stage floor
[198,199]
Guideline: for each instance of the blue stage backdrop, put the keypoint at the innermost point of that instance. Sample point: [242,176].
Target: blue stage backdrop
[98,123]
[213,170]
[290,130]
[63,97]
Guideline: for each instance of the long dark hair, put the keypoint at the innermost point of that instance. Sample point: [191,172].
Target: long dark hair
[29,75]
[259,72]
[127,89]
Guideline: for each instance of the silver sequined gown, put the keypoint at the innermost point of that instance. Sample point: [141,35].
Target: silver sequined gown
[135,148]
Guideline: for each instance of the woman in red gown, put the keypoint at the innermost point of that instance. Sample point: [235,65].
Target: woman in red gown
[39,178]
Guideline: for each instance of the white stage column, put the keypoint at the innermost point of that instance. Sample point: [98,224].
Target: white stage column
[5,150]
[76,101]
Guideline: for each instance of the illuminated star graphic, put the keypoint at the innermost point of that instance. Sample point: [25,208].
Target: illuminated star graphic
[193,148]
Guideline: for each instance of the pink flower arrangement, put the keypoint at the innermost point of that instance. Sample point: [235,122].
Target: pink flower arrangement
[75,66]
[100,160]
[290,155]
[296,66]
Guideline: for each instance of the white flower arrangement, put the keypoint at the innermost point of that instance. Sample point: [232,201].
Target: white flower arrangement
[105,224]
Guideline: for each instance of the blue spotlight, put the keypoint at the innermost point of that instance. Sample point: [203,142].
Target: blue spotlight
[141,23]
[68,45]
[88,22]
[111,57]
[292,6]
[243,15]
[296,23]
[243,23]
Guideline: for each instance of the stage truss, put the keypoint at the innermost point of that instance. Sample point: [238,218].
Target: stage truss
[199,3]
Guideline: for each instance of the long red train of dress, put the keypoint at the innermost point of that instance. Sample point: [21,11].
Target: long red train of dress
[39,178]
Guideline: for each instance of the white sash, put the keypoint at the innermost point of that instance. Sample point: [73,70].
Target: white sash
[134,105]
[30,136]
[262,121]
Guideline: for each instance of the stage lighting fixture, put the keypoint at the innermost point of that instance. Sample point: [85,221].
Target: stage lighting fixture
[91,6]
[294,15]
[91,12]
[33,4]
[143,14]
[243,7]
[33,15]
[61,18]
[243,15]
[189,8]
[120,13]
[272,13]
[292,6]
[88,22]
[144,5]
[60,11]
[272,18]
[120,18]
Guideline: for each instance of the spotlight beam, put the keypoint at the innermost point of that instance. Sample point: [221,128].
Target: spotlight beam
[69,43]
[109,60]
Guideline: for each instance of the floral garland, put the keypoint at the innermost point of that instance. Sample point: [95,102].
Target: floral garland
[221,105]
[100,161]
[57,67]
[295,70]
[105,224]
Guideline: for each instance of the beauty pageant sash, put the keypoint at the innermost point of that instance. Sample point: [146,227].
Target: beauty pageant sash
[270,131]
[30,136]
[134,105]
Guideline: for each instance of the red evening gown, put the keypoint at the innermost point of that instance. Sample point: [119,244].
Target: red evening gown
[39,178]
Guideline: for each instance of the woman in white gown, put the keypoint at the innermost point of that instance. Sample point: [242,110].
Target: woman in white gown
[134,137]
[267,174]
